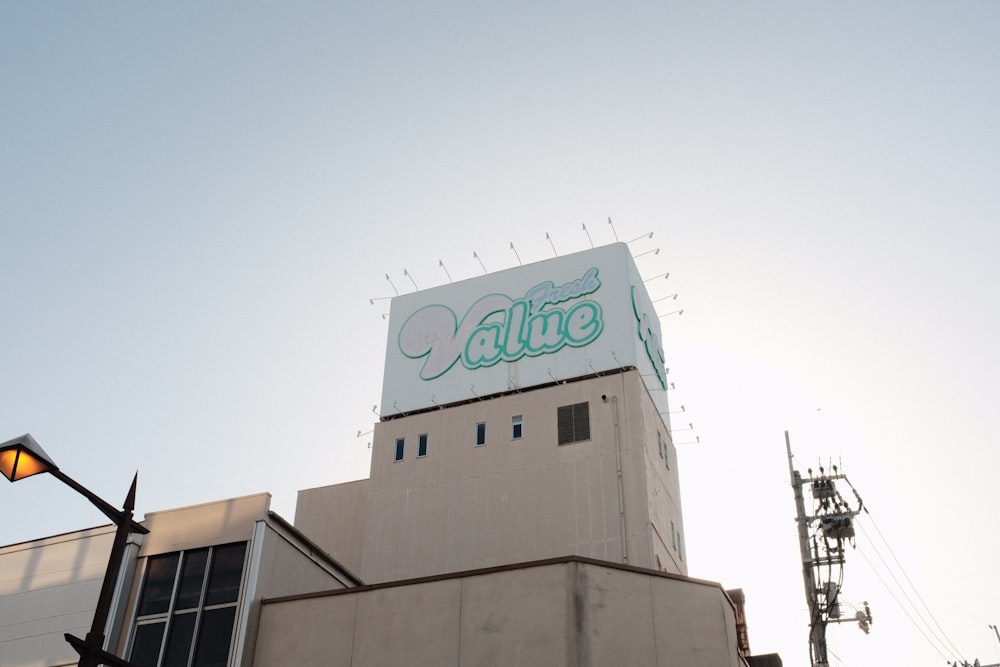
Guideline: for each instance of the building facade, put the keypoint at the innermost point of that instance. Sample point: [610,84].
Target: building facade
[534,425]
[523,508]
[488,483]
[189,591]
[569,611]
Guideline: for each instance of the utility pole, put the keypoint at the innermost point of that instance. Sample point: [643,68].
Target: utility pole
[822,536]
[817,631]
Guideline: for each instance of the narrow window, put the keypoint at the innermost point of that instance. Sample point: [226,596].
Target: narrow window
[573,423]
[422,445]
[659,442]
[516,427]
[400,446]
[480,434]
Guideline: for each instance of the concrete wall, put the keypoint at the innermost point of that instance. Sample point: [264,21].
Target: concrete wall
[464,507]
[656,471]
[279,560]
[281,564]
[287,567]
[511,500]
[49,587]
[218,522]
[571,612]
[334,517]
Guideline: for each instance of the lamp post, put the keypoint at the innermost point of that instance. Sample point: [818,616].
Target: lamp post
[23,457]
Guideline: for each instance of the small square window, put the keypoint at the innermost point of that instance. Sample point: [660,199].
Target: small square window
[516,427]
[480,434]
[422,445]
[400,447]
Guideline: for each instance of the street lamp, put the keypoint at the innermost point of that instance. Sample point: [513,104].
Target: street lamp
[23,457]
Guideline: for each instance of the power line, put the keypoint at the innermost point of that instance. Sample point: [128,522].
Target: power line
[909,581]
[902,608]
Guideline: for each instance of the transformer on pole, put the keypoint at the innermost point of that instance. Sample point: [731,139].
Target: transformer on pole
[823,535]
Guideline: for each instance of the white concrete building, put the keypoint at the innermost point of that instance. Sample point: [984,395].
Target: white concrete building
[523,508]
[533,428]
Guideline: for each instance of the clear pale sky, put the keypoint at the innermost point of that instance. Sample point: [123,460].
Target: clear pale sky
[199,199]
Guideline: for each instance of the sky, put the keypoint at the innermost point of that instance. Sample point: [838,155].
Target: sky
[202,206]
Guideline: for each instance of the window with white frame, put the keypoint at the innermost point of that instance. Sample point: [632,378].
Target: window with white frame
[187,608]
[422,445]
[400,449]
[516,427]
[480,434]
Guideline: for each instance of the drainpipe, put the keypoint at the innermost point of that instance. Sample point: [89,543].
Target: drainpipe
[621,481]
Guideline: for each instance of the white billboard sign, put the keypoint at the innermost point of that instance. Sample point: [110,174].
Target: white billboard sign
[536,324]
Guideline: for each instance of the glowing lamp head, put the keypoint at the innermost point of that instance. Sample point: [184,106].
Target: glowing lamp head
[23,457]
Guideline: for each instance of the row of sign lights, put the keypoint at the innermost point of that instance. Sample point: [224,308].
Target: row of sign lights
[475,255]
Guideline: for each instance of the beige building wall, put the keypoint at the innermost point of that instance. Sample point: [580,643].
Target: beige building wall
[49,587]
[279,560]
[334,516]
[464,506]
[564,612]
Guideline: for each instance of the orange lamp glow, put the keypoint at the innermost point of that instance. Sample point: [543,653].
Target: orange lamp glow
[23,457]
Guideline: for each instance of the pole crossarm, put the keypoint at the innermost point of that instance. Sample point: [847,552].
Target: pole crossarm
[95,656]
[116,515]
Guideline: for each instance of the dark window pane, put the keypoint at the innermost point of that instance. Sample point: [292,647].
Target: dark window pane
[146,645]
[192,579]
[226,573]
[422,445]
[214,637]
[400,446]
[581,421]
[160,573]
[564,417]
[179,640]
[480,434]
